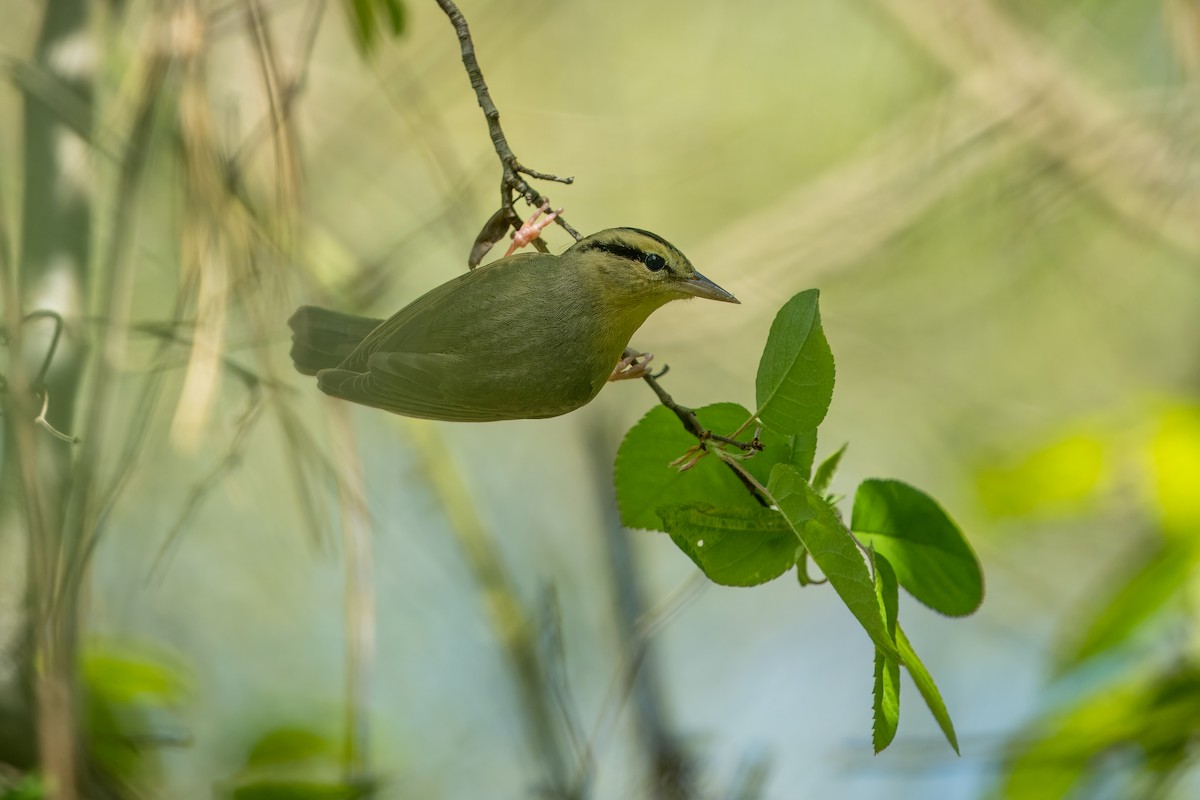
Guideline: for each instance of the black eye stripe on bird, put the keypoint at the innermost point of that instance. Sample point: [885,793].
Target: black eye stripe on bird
[626,251]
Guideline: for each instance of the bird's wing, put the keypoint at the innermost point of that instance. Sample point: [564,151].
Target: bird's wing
[411,384]
[442,320]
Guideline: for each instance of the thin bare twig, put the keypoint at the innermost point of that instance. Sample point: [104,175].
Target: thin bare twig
[691,424]
[511,180]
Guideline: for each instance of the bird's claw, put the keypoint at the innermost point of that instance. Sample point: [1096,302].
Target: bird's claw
[532,228]
[630,367]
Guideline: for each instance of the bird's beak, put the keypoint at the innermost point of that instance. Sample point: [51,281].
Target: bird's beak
[700,286]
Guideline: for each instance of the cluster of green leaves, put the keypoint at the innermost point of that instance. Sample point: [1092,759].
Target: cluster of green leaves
[1126,662]
[746,517]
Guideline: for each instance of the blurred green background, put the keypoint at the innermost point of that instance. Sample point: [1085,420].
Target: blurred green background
[998,202]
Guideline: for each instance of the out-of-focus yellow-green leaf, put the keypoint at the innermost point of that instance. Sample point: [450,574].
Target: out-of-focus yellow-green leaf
[1174,460]
[131,709]
[1146,723]
[368,17]
[1061,477]
[289,745]
[1158,577]
[294,763]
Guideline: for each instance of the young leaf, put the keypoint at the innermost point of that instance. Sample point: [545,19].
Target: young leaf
[795,374]
[645,481]
[831,547]
[887,670]
[824,474]
[928,551]
[733,546]
[927,688]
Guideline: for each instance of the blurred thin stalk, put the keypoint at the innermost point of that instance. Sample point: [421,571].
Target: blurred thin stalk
[1138,171]
[359,604]
[1181,19]
[999,101]
[288,185]
[55,241]
[511,624]
[668,771]
[211,238]
[844,215]
[21,483]
[83,522]
[359,593]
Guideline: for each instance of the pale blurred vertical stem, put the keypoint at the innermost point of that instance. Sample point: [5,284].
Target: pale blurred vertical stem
[287,172]
[509,621]
[81,522]
[360,593]
[21,483]
[205,251]
[669,774]
[56,232]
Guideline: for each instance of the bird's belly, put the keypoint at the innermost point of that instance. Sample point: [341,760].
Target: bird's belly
[525,384]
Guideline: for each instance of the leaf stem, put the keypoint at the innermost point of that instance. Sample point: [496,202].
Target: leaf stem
[691,424]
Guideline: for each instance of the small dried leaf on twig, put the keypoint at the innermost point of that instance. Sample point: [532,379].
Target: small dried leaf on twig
[492,232]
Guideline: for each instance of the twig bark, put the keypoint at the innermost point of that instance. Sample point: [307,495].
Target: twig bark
[691,423]
[511,180]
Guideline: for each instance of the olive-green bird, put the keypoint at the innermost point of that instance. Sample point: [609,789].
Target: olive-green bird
[528,336]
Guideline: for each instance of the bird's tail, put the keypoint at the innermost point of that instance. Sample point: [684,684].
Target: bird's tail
[321,339]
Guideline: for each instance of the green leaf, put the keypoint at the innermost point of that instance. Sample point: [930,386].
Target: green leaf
[290,745]
[733,546]
[131,698]
[795,375]
[283,789]
[365,24]
[1156,580]
[927,688]
[394,10]
[1061,477]
[825,472]
[834,551]
[928,551]
[887,670]
[294,763]
[362,23]
[645,481]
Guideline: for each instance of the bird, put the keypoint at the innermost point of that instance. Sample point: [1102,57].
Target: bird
[528,336]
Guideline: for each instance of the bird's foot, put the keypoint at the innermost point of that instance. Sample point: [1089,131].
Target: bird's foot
[532,228]
[634,365]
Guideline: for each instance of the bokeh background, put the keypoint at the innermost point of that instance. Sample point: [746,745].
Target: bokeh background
[997,200]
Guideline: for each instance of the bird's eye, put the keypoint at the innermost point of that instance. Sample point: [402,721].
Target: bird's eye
[653,261]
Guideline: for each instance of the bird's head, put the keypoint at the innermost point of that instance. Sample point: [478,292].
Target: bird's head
[641,268]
